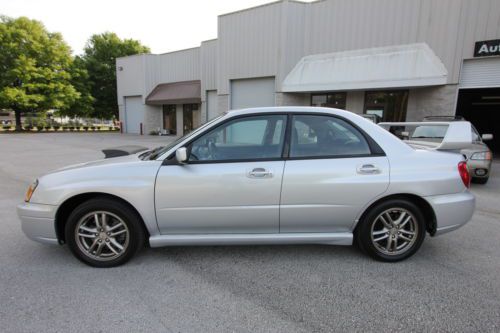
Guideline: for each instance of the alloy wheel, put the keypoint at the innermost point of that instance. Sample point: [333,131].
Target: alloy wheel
[102,235]
[394,231]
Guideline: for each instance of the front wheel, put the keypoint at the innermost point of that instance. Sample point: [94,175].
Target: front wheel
[391,231]
[103,232]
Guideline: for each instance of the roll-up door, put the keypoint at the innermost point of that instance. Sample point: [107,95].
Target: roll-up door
[480,73]
[247,93]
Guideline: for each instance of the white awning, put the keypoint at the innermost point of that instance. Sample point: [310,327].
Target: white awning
[412,65]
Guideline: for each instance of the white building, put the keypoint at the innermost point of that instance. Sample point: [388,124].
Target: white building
[400,59]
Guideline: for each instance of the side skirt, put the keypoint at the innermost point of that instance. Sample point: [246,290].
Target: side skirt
[343,238]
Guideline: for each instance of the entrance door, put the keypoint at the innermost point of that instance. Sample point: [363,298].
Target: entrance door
[231,182]
[188,121]
[482,108]
[170,119]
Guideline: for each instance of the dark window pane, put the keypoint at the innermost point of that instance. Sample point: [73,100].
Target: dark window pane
[389,105]
[248,138]
[330,100]
[325,136]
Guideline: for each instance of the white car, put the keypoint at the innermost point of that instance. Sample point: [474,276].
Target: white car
[284,175]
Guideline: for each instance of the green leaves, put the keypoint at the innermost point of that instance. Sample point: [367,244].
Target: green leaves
[99,57]
[34,66]
[38,72]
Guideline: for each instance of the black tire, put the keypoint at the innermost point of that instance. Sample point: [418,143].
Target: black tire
[118,212]
[363,234]
[477,180]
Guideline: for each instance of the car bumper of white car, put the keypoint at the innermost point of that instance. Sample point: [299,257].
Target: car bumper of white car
[452,210]
[37,222]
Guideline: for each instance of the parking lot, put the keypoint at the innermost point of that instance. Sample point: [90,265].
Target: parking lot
[451,284]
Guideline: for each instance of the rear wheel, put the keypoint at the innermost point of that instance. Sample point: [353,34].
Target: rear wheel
[104,232]
[391,231]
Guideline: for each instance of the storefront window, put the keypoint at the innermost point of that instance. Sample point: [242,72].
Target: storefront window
[329,100]
[170,119]
[388,105]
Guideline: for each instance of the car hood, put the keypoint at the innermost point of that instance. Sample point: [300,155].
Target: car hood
[108,161]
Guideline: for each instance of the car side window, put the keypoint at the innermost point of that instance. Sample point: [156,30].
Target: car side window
[249,138]
[324,136]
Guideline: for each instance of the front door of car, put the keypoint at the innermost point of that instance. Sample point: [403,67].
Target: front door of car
[231,182]
[332,172]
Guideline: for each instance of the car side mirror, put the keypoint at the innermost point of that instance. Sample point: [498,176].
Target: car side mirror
[487,137]
[181,155]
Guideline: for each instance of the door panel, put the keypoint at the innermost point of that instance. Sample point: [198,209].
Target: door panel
[213,198]
[325,195]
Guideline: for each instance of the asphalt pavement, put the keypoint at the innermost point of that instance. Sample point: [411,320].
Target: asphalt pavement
[451,285]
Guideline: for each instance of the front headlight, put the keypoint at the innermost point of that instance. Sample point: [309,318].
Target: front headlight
[30,191]
[484,155]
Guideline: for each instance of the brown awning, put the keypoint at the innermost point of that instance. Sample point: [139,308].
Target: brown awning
[185,92]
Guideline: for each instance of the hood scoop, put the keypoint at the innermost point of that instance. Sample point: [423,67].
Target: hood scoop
[122,151]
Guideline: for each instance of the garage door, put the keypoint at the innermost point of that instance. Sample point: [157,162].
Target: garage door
[480,73]
[212,109]
[252,93]
[134,114]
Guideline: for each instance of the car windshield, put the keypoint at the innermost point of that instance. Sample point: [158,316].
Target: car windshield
[158,151]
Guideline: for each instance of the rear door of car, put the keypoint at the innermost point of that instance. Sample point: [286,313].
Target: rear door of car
[332,171]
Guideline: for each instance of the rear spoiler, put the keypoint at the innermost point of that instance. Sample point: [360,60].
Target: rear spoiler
[122,151]
[458,134]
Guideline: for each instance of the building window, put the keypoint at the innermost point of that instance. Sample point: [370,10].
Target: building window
[330,100]
[388,105]
[170,119]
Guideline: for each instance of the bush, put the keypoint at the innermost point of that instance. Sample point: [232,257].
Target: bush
[28,128]
[39,128]
[56,127]
[47,128]
[85,128]
[6,127]
[154,132]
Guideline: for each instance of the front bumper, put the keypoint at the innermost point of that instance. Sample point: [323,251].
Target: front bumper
[452,210]
[483,165]
[37,222]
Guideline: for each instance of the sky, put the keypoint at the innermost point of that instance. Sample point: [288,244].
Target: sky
[163,25]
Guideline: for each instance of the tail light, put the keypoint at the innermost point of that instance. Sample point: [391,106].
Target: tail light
[464,173]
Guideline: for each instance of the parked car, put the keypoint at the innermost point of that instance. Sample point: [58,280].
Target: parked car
[284,175]
[431,135]
[372,117]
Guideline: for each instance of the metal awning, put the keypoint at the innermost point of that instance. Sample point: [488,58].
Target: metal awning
[185,92]
[412,65]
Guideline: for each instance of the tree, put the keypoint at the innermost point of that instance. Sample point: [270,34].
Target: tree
[81,107]
[99,56]
[34,68]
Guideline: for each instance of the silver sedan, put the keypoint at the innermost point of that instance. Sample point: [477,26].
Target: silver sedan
[284,175]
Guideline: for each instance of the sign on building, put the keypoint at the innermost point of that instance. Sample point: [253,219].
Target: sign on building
[487,48]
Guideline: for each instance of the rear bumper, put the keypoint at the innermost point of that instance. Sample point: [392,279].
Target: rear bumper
[37,222]
[452,210]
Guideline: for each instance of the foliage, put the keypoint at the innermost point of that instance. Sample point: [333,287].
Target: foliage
[35,68]
[99,58]
[81,107]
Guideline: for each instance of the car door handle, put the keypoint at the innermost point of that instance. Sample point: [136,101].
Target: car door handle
[368,169]
[259,173]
